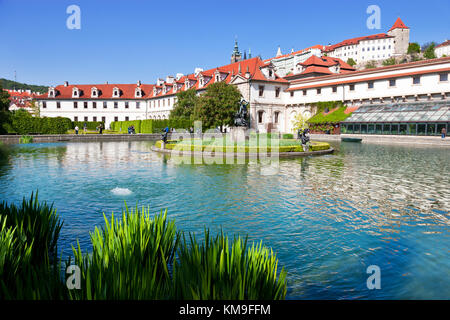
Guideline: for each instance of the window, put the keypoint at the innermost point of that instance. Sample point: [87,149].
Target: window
[261,91]
[116,118]
[116,105]
[370,85]
[276,117]
[85,104]
[58,105]
[103,119]
[392,83]
[352,87]
[75,104]
[127,118]
[44,105]
[85,118]
[75,118]
[292,93]
[94,118]
[416,80]
[334,89]
[304,92]
[138,104]
[443,77]
[105,105]
[319,91]
[126,104]
[94,105]
[260,116]
[277,92]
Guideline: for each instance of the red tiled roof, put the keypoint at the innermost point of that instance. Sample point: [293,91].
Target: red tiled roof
[127,91]
[398,25]
[357,40]
[443,44]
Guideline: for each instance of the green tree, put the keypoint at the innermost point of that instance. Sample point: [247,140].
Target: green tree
[217,106]
[300,121]
[351,62]
[184,107]
[35,108]
[4,100]
[429,53]
[413,47]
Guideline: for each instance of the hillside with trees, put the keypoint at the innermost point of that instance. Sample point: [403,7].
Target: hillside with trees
[10,84]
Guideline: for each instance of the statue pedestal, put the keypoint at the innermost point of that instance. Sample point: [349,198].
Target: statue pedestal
[238,134]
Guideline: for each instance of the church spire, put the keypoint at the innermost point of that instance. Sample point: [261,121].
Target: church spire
[236,55]
[279,52]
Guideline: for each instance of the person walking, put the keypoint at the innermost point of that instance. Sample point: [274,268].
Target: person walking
[76,129]
[444,133]
[85,128]
[100,128]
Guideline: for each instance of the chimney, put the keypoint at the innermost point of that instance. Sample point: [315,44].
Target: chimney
[179,76]
[139,83]
[169,79]
[106,82]
[66,83]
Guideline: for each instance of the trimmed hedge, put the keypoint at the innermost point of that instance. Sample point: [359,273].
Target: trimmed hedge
[315,146]
[90,125]
[150,125]
[22,122]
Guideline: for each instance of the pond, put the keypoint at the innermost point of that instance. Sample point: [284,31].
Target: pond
[328,218]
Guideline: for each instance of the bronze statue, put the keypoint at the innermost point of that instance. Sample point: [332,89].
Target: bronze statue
[240,119]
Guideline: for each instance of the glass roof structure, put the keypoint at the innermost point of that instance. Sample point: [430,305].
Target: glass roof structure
[402,112]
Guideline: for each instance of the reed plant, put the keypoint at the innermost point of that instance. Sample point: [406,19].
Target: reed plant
[26,139]
[216,270]
[130,258]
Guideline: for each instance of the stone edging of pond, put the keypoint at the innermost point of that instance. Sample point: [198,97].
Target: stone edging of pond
[241,154]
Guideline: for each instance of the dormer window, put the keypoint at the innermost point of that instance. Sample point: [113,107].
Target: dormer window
[218,79]
[154,91]
[175,87]
[94,92]
[187,84]
[51,92]
[138,93]
[201,82]
[75,93]
[116,92]
[164,89]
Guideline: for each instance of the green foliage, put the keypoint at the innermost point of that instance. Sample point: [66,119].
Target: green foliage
[214,270]
[90,125]
[150,125]
[327,105]
[330,118]
[389,62]
[9,84]
[371,65]
[428,51]
[351,62]
[29,268]
[218,105]
[413,47]
[5,122]
[26,139]
[184,107]
[299,122]
[4,99]
[22,122]
[130,258]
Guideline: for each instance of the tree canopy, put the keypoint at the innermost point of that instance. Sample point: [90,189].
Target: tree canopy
[413,47]
[217,106]
[428,52]
[351,61]
[4,100]
[184,107]
[9,84]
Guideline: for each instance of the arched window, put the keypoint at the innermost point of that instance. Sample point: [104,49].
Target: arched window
[75,93]
[116,92]
[94,93]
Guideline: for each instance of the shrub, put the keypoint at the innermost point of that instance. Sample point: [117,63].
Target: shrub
[130,258]
[24,123]
[90,125]
[214,270]
[26,139]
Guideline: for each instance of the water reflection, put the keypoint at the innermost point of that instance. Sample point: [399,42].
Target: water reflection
[327,217]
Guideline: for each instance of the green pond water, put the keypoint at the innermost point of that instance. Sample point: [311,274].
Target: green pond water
[328,217]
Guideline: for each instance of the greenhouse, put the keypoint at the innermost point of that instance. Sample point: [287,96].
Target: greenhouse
[427,118]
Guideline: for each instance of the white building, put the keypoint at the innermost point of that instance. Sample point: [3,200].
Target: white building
[380,46]
[443,49]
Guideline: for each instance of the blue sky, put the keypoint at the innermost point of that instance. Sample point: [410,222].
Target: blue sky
[126,41]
